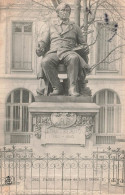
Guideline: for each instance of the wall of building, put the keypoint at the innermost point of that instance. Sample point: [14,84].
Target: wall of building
[27,80]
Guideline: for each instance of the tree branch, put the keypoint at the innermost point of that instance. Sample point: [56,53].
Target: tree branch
[95,65]
[112,61]
[48,7]
[95,10]
[114,8]
[95,39]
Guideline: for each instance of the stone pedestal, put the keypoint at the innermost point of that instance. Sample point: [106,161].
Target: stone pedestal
[62,124]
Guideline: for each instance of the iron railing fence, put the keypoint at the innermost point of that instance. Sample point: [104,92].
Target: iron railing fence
[22,173]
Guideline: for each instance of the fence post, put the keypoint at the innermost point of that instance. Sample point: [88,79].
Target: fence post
[109,155]
[47,155]
[123,171]
[1,156]
[39,174]
[13,153]
[93,174]
[54,179]
[31,163]
[78,175]
[25,168]
[118,155]
[62,169]
[16,172]
[4,157]
[85,178]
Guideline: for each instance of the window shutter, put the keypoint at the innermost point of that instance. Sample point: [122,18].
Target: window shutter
[105,46]
[27,49]
[22,46]
[17,52]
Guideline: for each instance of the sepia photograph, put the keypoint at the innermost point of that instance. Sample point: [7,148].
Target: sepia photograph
[62,97]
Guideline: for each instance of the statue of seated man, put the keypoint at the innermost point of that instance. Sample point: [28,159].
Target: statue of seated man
[62,37]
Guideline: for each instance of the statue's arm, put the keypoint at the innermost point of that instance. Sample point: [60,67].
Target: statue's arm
[80,39]
[44,42]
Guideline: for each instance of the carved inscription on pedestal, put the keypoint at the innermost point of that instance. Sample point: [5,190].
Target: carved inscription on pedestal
[70,135]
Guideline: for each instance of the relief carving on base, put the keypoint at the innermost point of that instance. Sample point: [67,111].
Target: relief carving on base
[62,120]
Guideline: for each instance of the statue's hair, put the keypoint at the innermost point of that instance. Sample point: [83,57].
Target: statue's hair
[61,6]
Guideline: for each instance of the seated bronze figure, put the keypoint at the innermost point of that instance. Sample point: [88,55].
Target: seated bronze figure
[62,43]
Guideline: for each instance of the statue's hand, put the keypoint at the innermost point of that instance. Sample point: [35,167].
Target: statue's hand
[88,70]
[40,51]
[84,48]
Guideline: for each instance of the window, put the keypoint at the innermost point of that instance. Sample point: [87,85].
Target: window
[22,46]
[17,117]
[110,112]
[106,42]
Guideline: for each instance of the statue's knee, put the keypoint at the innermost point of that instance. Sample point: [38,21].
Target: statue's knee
[44,62]
[74,57]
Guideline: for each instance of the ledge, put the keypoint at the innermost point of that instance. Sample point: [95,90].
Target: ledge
[37,107]
[18,76]
[61,76]
[107,71]
[62,98]
[107,77]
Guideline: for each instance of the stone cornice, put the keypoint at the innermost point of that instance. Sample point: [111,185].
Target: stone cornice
[100,77]
[91,77]
[64,107]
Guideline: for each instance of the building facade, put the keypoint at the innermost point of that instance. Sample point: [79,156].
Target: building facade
[20,27]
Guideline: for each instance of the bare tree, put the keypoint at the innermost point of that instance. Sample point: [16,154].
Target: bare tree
[88,12]
[107,13]
[110,17]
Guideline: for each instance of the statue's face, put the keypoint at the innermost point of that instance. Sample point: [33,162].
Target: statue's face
[64,13]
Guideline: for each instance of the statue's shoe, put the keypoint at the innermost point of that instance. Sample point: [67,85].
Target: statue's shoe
[73,92]
[40,91]
[56,92]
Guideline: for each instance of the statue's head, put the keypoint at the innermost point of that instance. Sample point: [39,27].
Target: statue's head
[63,11]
